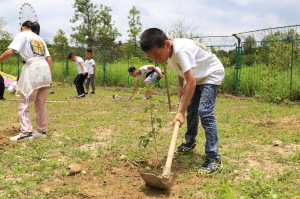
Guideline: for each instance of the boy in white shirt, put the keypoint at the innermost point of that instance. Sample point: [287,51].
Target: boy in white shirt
[204,74]
[82,74]
[91,69]
[149,73]
[12,89]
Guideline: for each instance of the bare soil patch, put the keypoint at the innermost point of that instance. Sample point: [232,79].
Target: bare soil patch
[6,134]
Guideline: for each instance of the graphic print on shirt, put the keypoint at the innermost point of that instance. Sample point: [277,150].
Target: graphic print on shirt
[37,47]
[200,45]
[179,66]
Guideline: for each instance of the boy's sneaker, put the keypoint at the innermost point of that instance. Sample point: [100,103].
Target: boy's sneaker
[144,98]
[86,93]
[36,135]
[81,95]
[21,136]
[150,97]
[93,93]
[186,148]
[209,167]
[2,99]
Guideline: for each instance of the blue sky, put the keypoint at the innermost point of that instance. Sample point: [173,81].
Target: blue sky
[212,17]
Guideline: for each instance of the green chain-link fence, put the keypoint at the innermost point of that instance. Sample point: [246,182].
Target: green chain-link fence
[262,63]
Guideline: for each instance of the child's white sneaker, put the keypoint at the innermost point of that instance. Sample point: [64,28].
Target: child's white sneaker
[144,98]
[36,135]
[21,136]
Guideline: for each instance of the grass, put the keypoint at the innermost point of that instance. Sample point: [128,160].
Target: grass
[94,132]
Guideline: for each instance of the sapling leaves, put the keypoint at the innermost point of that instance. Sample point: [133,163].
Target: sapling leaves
[146,88]
[143,140]
[142,121]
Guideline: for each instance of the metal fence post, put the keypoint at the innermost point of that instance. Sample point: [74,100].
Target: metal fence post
[67,63]
[291,83]
[18,64]
[103,64]
[128,67]
[237,67]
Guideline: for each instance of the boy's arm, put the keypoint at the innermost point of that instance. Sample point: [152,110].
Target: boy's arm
[154,68]
[82,67]
[94,70]
[15,88]
[134,89]
[188,94]
[180,87]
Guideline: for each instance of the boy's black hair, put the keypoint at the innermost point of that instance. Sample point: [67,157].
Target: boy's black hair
[24,62]
[152,37]
[90,51]
[36,28]
[28,24]
[131,69]
[71,55]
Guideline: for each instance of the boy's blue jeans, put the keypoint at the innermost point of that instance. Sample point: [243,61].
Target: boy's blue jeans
[203,104]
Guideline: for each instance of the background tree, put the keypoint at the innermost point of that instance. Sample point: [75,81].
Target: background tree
[135,25]
[87,12]
[249,45]
[5,36]
[107,33]
[94,23]
[60,41]
[182,28]
[249,48]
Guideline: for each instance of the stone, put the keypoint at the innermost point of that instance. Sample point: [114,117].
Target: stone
[74,168]
[147,168]
[123,157]
[132,166]
[83,172]
[47,190]
[277,143]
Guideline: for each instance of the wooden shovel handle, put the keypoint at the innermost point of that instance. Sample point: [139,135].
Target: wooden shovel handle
[167,170]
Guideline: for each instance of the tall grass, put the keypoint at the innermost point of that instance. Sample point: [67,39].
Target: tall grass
[257,80]
[269,83]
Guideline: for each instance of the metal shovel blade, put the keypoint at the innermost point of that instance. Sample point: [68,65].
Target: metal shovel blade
[154,181]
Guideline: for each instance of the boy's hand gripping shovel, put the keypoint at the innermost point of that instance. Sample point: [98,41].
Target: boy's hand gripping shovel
[162,182]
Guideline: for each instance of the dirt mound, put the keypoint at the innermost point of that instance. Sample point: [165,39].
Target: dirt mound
[6,134]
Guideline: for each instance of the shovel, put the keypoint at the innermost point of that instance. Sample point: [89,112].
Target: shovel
[162,182]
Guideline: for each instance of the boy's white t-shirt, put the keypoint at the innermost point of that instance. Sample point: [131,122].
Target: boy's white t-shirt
[191,55]
[144,71]
[10,89]
[89,65]
[14,83]
[29,45]
[79,69]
